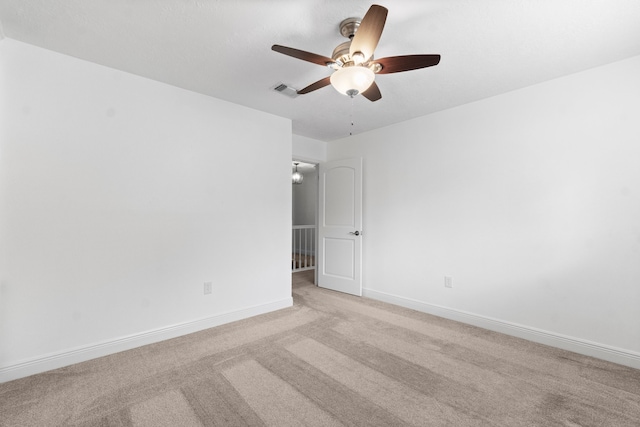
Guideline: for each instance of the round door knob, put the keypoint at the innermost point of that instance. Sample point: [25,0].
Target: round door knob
[356,233]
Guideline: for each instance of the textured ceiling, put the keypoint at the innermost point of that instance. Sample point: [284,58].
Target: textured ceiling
[222,48]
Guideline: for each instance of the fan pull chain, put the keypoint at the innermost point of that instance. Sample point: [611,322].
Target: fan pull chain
[351,117]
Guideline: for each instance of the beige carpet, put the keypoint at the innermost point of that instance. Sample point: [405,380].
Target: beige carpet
[332,359]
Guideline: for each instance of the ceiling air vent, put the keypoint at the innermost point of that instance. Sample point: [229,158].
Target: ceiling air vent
[285,90]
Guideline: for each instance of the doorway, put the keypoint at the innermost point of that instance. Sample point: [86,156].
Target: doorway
[304,216]
[327,223]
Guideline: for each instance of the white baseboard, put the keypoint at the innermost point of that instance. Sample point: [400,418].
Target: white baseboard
[84,353]
[577,345]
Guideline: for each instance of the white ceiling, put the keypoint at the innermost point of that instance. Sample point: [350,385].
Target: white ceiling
[223,48]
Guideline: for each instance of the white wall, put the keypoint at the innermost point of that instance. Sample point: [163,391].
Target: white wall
[530,201]
[308,149]
[119,198]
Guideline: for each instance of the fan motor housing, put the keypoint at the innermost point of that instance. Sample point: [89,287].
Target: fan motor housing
[341,53]
[349,26]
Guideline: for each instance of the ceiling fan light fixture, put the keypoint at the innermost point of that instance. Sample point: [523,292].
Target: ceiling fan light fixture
[352,80]
[353,60]
[357,58]
[375,67]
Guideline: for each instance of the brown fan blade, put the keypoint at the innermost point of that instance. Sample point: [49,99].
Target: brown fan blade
[301,54]
[368,34]
[315,86]
[396,64]
[373,93]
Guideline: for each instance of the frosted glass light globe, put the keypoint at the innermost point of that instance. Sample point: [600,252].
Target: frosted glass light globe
[352,80]
[297,178]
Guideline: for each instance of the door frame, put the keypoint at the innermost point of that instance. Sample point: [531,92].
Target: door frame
[315,162]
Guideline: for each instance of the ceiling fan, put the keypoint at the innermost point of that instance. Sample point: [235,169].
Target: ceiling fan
[353,62]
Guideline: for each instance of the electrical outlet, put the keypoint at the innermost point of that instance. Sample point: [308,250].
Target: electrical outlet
[448,282]
[207,287]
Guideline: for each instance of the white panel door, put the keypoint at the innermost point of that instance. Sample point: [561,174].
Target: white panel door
[340,226]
